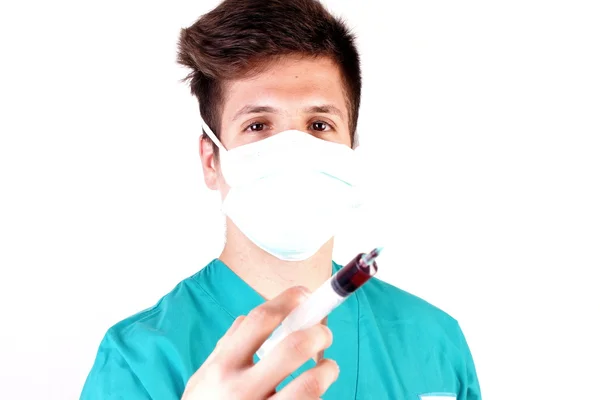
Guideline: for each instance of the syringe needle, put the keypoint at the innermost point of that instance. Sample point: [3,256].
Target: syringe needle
[368,258]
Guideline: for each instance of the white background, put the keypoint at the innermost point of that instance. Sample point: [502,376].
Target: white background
[482,120]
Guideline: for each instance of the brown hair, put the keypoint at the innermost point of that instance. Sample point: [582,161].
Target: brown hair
[239,37]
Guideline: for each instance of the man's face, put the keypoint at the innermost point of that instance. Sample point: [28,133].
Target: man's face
[304,94]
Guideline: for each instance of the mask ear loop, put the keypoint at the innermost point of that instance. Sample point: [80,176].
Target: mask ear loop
[211,135]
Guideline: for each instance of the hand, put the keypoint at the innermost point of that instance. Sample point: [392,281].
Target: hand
[230,373]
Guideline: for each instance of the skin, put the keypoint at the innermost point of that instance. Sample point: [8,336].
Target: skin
[304,94]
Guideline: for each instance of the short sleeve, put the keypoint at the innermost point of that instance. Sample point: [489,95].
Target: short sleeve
[469,389]
[111,377]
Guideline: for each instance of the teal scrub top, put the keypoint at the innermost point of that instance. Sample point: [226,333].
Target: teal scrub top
[388,343]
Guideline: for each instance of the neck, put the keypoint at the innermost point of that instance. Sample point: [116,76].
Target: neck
[269,275]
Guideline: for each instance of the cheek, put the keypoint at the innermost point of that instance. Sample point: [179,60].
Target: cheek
[346,139]
[339,137]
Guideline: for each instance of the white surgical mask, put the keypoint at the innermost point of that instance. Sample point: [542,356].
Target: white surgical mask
[289,193]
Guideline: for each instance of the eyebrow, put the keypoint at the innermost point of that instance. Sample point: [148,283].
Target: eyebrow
[324,109]
[256,109]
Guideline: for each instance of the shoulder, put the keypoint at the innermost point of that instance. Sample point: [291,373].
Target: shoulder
[147,354]
[392,307]
[407,322]
[400,303]
[188,309]
[169,311]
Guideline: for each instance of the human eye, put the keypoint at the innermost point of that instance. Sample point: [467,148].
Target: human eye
[255,126]
[320,126]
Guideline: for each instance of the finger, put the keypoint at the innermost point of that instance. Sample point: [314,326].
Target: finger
[260,323]
[295,398]
[312,383]
[289,355]
[234,326]
[220,343]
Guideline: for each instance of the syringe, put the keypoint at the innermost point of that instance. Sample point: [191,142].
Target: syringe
[325,299]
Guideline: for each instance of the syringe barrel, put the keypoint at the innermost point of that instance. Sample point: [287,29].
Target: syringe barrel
[310,312]
[323,300]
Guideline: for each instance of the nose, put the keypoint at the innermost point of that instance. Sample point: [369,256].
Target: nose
[294,122]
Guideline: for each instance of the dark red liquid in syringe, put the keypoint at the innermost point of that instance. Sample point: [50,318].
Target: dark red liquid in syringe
[353,275]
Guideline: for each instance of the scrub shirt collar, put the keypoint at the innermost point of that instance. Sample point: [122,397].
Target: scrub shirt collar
[232,292]
[229,290]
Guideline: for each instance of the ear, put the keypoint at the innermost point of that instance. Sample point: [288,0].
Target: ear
[207,158]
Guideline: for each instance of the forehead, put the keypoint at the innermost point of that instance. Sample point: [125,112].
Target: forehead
[290,84]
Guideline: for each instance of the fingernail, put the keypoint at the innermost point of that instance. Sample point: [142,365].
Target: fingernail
[304,291]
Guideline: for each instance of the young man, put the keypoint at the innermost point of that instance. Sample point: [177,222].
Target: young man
[278,83]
